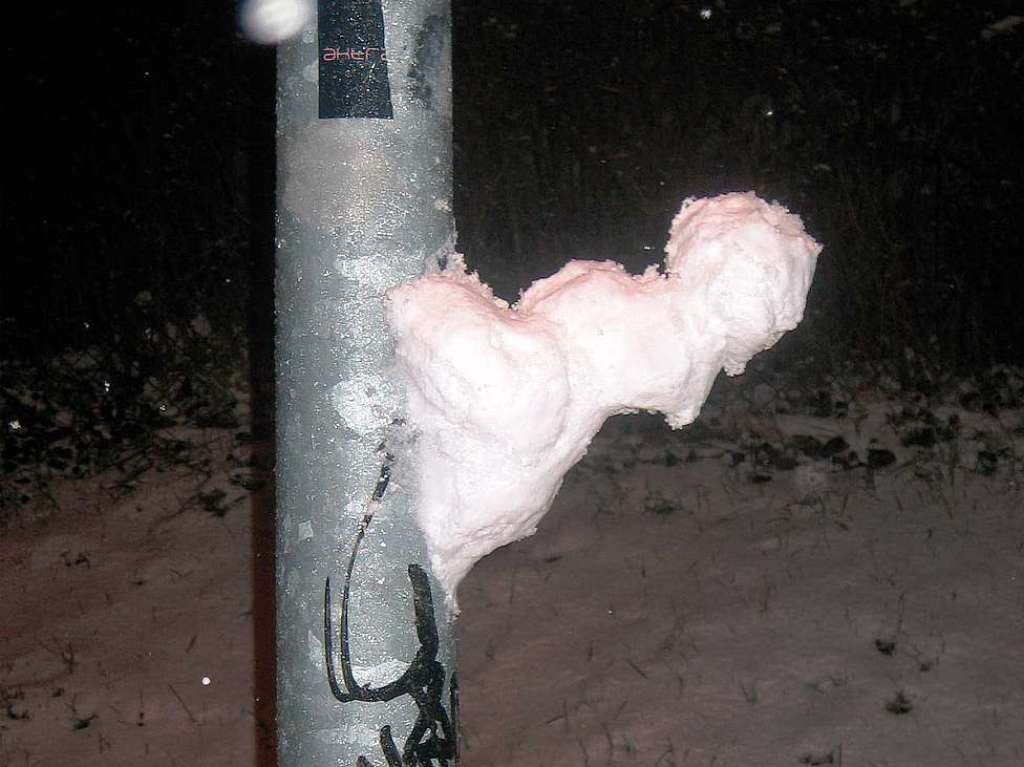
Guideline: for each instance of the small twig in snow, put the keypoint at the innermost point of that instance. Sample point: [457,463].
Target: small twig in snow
[188,711]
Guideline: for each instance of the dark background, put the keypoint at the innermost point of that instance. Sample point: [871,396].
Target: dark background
[138,181]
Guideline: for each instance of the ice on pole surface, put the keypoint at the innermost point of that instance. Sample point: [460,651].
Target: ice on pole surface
[503,400]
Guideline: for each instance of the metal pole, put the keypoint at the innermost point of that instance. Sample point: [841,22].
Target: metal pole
[365,650]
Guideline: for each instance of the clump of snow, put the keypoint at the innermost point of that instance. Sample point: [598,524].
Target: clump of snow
[506,399]
[274,21]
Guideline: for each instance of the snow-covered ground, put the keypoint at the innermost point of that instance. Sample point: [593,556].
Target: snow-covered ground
[793,580]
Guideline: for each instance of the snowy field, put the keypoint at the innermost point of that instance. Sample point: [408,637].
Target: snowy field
[794,580]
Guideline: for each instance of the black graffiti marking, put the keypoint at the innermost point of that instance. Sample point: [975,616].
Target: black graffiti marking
[382,481]
[433,739]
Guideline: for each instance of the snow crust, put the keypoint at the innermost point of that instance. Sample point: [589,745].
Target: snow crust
[505,399]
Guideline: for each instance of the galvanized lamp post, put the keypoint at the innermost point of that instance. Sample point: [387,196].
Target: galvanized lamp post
[365,649]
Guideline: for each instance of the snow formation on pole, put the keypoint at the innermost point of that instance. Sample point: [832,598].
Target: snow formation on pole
[506,399]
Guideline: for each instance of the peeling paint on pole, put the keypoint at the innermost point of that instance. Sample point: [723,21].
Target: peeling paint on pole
[364,203]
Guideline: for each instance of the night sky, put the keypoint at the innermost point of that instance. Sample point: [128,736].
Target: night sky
[140,131]
[141,156]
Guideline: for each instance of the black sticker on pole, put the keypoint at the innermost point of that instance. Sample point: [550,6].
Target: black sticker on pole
[353,60]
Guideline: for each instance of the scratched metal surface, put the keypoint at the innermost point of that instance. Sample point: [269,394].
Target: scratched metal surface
[363,204]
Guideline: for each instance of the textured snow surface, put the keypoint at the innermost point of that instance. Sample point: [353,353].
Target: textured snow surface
[677,607]
[506,399]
